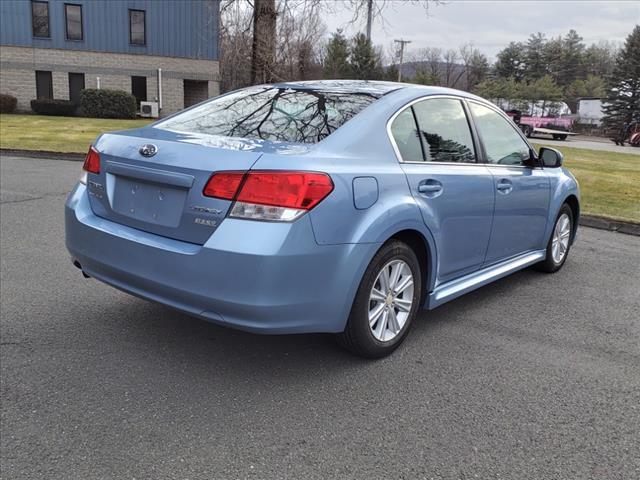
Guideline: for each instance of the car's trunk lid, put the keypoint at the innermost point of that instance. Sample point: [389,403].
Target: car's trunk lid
[162,194]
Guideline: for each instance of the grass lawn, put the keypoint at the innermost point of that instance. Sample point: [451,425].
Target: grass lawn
[609,182]
[56,134]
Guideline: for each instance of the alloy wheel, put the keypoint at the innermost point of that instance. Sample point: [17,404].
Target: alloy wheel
[560,241]
[390,300]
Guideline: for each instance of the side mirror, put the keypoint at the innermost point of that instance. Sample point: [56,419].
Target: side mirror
[550,157]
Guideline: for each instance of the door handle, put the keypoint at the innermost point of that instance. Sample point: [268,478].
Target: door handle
[504,185]
[430,188]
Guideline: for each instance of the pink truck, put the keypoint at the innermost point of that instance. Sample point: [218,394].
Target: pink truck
[557,127]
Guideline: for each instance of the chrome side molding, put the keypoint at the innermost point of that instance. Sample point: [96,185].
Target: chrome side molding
[455,288]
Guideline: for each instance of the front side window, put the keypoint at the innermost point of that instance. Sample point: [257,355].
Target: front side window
[73,18]
[274,114]
[502,143]
[444,131]
[137,34]
[40,19]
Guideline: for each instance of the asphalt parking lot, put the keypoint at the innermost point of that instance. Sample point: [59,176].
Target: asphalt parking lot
[536,376]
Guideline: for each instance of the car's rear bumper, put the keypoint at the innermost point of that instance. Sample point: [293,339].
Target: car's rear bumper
[257,276]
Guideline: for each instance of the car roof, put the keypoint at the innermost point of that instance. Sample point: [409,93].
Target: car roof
[375,88]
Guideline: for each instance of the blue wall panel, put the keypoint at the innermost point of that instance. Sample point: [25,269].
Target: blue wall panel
[176,28]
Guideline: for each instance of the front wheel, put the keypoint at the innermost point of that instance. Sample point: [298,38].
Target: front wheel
[559,243]
[386,303]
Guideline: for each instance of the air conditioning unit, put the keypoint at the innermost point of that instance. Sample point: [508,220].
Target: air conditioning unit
[149,109]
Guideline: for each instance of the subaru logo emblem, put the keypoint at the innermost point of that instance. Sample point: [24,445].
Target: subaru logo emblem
[148,150]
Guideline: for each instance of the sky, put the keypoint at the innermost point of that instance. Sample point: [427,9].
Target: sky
[491,25]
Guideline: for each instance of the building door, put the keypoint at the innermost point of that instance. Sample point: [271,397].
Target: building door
[195,91]
[44,84]
[139,89]
[76,85]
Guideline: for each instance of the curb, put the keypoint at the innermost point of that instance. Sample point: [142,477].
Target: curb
[593,221]
[604,223]
[75,157]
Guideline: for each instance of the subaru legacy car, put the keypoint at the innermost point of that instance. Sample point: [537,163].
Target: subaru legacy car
[341,207]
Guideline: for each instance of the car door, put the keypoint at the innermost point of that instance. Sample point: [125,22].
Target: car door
[521,188]
[453,191]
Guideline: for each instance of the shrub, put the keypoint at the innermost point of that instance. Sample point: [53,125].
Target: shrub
[50,106]
[7,103]
[107,103]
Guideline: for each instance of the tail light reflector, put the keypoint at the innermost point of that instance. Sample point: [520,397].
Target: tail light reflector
[270,195]
[92,161]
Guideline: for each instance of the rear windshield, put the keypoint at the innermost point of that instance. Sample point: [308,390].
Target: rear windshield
[274,114]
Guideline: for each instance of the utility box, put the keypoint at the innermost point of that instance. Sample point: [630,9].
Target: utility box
[149,109]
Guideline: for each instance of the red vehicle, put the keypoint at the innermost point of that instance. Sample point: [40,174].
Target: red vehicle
[630,134]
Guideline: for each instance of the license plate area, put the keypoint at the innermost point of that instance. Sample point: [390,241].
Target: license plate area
[149,202]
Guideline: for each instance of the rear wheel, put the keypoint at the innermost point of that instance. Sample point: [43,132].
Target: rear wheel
[386,303]
[559,243]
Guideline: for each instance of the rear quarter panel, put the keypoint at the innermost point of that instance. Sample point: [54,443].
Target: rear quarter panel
[360,148]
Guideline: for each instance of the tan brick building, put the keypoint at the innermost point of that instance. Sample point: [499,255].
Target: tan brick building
[163,52]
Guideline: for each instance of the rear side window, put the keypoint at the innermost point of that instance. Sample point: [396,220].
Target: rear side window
[405,133]
[444,131]
[270,113]
[503,145]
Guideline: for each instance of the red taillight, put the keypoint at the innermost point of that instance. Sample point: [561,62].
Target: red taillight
[270,195]
[92,161]
[223,185]
[299,190]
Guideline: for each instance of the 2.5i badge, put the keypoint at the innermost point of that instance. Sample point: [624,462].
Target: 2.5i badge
[204,221]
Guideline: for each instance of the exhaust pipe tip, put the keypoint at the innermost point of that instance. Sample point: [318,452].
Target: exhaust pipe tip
[76,264]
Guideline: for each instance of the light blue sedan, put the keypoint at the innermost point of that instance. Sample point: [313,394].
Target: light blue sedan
[326,206]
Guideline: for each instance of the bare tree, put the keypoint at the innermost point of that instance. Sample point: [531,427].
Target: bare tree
[235,45]
[428,62]
[475,65]
[299,42]
[264,41]
[449,65]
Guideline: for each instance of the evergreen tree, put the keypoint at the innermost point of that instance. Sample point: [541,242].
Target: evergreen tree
[336,60]
[591,87]
[511,62]
[544,89]
[572,66]
[536,58]
[623,99]
[391,73]
[365,62]
[424,78]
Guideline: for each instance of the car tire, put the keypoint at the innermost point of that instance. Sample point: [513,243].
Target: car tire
[554,261]
[528,131]
[366,334]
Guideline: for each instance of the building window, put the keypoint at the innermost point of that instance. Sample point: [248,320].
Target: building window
[44,84]
[76,85]
[195,91]
[139,89]
[137,30]
[73,18]
[40,19]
